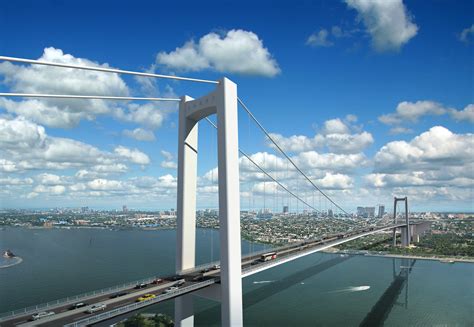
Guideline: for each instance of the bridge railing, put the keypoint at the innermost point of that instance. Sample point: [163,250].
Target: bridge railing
[73,299]
[138,305]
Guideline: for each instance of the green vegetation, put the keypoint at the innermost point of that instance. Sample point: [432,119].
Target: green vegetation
[146,320]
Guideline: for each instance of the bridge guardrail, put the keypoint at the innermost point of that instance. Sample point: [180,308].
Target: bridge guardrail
[72,299]
[138,305]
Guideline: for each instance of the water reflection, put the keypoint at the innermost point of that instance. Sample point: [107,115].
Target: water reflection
[382,308]
[212,315]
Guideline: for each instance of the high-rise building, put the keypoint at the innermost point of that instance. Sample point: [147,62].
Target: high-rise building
[265,214]
[366,212]
[330,214]
[124,208]
[381,211]
[285,209]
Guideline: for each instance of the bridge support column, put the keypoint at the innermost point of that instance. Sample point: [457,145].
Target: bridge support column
[186,208]
[405,238]
[183,311]
[229,204]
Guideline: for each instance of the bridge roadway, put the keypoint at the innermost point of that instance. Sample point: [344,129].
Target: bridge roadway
[191,280]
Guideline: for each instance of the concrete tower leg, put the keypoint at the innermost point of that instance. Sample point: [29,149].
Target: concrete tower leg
[229,204]
[407,232]
[186,219]
[394,221]
[405,240]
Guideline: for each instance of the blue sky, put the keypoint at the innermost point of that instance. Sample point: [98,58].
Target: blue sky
[379,94]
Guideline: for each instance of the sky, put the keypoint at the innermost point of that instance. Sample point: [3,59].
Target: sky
[371,98]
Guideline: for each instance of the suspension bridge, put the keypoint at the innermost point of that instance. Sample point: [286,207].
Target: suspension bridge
[220,281]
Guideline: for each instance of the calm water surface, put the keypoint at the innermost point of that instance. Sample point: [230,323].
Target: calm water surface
[317,290]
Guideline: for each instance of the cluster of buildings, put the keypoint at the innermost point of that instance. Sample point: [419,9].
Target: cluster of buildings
[369,212]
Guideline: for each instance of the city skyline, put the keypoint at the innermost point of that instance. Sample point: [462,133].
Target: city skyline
[370,109]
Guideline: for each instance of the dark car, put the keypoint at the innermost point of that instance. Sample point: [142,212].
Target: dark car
[141,285]
[77,305]
[198,278]
[116,295]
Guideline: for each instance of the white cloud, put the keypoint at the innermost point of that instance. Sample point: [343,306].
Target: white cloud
[325,37]
[15,181]
[438,146]
[334,126]
[134,155]
[349,143]
[330,161]
[25,145]
[335,181]
[49,179]
[150,115]
[387,21]
[169,163]
[466,34]
[319,39]
[51,190]
[105,185]
[412,111]
[140,134]
[466,114]
[238,51]
[335,135]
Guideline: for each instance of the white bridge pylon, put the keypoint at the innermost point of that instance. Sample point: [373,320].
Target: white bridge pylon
[222,102]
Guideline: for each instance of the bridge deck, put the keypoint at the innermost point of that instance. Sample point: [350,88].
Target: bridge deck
[194,279]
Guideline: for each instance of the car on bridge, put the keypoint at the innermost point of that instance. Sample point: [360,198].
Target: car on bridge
[171,289]
[141,285]
[96,307]
[77,305]
[146,297]
[158,281]
[42,314]
[116,295]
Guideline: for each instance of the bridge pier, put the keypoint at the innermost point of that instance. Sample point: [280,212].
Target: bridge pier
[184,311]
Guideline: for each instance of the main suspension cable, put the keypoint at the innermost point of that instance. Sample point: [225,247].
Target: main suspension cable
[74,96]
[105,70]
